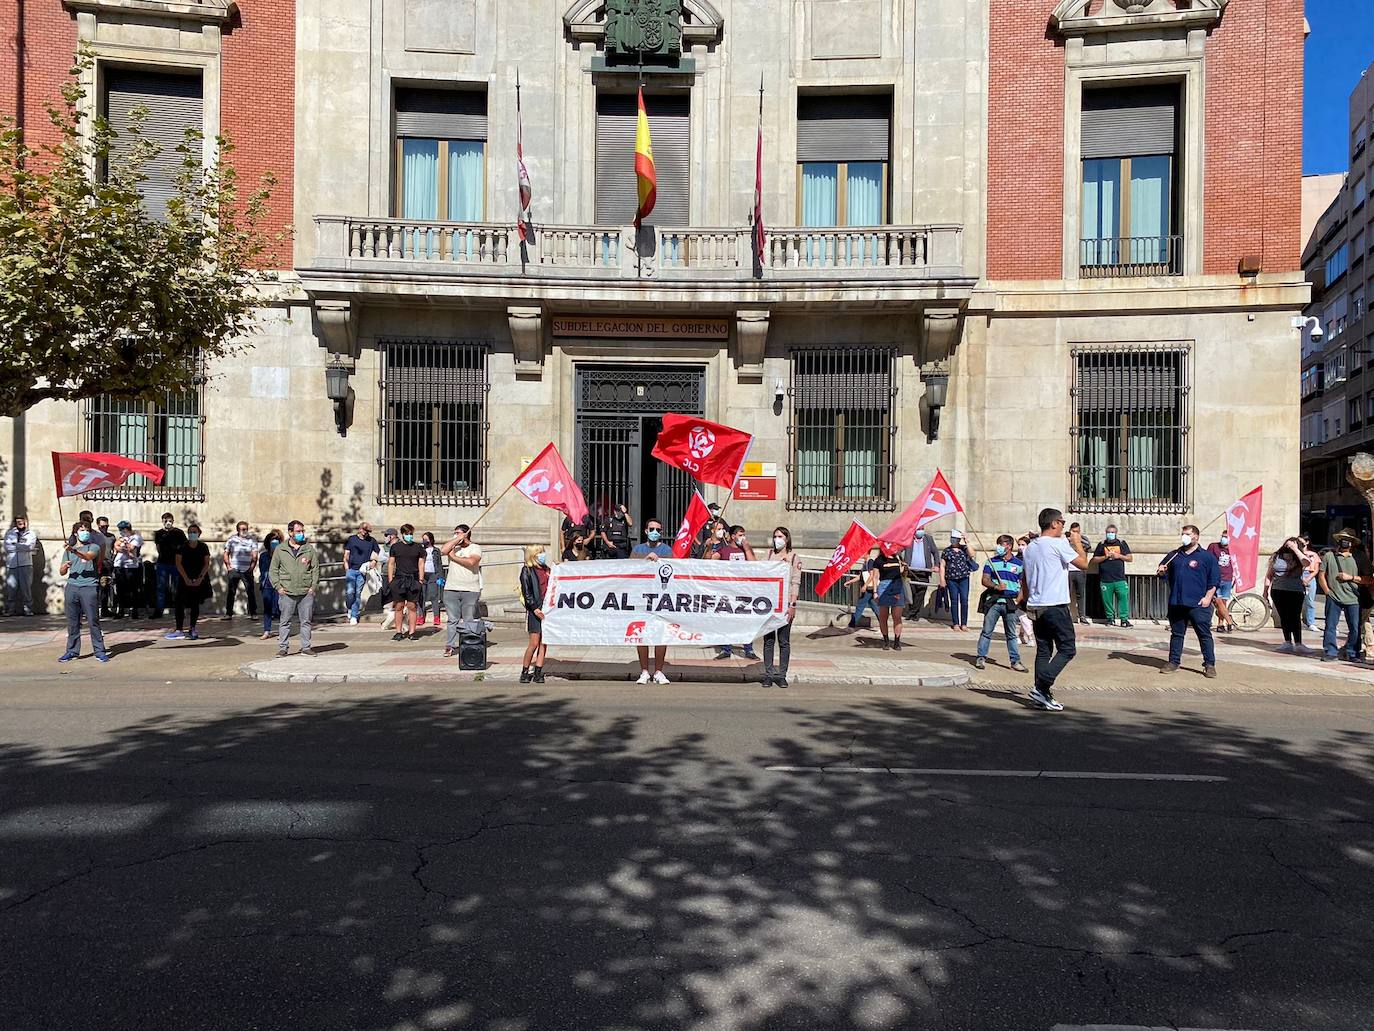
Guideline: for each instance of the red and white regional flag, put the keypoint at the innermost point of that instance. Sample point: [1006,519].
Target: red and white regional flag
[938,499]
[854,545]
[546,481]
[76,472]
[710,451]
[692,522]
[1243,527]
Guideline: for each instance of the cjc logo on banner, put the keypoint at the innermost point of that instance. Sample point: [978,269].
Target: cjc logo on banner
[690,601]
[701,442]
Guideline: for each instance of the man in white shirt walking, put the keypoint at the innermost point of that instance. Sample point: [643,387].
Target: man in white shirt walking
[1045,593]
[20,543]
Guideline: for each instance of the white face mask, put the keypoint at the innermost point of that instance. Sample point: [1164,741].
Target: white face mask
[779,543]
[1186,539]
[720,535]
[1225,541]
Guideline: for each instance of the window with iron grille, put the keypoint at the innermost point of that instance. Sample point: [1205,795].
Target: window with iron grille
[165,432]
[842,428]
[1130,429]
[434,421]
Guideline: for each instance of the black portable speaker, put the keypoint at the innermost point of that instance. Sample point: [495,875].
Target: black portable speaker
[472,650]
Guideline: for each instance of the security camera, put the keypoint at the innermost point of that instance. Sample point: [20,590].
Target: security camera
[1311,323]
[1317,333]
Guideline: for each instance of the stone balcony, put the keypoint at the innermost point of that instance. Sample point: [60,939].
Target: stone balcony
[484,263]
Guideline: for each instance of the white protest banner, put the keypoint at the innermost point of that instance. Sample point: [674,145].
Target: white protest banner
[664,601]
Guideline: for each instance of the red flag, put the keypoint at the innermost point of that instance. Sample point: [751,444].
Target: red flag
[546,481]
[692,522]
[711,452]
[760,235]
[77,472]
[523,224]
[854,545]
[1243,527]
[938,499]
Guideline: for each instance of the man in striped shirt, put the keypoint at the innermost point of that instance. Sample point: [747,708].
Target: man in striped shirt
[1002,573]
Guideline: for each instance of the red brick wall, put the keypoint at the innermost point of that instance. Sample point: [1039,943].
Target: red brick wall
[1025,144]
[1253,179]
[258,103]
[257,89]
[49,47]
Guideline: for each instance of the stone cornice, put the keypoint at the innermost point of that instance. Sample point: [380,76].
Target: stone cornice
[1146,16]
[207,12]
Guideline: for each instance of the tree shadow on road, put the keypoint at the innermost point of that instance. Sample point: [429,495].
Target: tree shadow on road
[515,861]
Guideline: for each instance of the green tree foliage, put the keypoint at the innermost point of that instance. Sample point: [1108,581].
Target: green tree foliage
[98,296]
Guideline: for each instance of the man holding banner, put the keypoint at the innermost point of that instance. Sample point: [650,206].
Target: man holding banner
[653,547]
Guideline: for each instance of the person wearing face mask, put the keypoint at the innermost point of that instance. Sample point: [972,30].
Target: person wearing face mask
[1002,574]
[81,565]
[432,593]
[390,537]
[923,564]
[732,545]
[1337,578]
[295,573]
[168,541]
[615,532]
[128,570]
[20,544]
[776,676]
[1220,550]
[1283,585]
[271,603]
[653,547]
[360,558]
[534,584]
[239,558]
[1110,558]
[957,564]
[1078,578]
[462,583]
[1193,576]
[193,587]
[1311,563]
[406,571]
[101,529]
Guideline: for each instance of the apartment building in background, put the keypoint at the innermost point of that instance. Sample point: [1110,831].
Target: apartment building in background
[1337,371]
[1051,249]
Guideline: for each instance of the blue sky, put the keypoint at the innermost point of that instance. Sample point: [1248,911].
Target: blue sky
[1340,47]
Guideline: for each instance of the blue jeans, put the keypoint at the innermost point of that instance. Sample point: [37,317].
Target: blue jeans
[865,602]
[1309,607]
[958,601]
[271,605]
[167,580]
[1200,619]
[1334,611]
[353,591]
[1006,612]
[82,598]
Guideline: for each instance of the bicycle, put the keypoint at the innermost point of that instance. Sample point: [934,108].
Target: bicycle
[1251,612]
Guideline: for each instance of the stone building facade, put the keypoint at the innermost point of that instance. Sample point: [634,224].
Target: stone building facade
[1049,249]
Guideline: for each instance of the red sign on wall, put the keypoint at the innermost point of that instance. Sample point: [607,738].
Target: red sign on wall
[756,488]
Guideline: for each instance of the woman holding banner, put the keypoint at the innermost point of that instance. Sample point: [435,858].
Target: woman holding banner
[776,676]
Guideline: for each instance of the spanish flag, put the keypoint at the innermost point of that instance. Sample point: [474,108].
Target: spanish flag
[645,175]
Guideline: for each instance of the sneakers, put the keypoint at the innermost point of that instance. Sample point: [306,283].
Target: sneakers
[780,680]
[1045,701]
[398,636]
[436,620]
[448,653]
[352,620]
[1111,622]
[1286,648]
[173,635]
[980,663]
[1328,658]
[1085,620]
[749,653]
[1019,668]
[659,677]
[1169,667]
[307,652]
[102,657]
[1210,672]
[718,657]
[896,644]
[266,635]
[194,635]
[526,675]
[1125,624]
[886,644]
[281,653]
[66,657]
[644,677]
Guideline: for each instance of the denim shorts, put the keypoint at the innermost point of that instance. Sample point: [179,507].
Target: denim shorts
[1224,591]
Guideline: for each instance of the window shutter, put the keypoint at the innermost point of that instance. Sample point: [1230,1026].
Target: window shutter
[441,114]
[173,103]
[617,195]
[1122,123]
[844,127]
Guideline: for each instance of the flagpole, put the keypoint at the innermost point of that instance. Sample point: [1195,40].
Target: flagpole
[520,160]
[756,239]
[486,510]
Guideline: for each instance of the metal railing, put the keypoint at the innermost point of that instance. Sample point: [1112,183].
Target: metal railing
[1131,257]
[476,248]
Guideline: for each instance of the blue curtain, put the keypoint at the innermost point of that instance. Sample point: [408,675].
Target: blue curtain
[1101,211]
[420,191]
[815,453]
[863,201]
[466,189]
[1150,210]
[1092,466]
[820,206]
[862,445]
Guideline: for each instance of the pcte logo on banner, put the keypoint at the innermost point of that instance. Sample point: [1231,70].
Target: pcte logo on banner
[635,631]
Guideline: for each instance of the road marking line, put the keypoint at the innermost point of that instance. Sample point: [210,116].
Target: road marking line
[1191,778]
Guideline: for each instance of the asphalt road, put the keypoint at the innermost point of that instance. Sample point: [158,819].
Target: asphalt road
[226,856]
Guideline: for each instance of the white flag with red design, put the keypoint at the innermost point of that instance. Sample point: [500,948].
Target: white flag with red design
[854,545]
[692,522]
[938,499]
[1243,527]
[546,481]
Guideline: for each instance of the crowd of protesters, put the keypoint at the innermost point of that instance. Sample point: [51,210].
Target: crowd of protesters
[1034,587]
